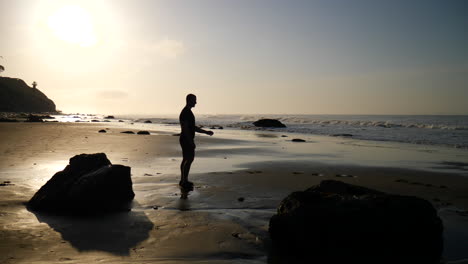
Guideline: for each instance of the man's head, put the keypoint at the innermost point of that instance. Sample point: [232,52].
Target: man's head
[191,100]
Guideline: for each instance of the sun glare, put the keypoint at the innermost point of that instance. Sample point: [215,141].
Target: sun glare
[73,24]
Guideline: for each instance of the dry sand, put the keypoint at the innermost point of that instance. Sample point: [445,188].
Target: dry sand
[225,219]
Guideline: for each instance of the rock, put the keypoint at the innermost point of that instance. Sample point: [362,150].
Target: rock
[241,199]
[33,118]
[298,140]
[94,120]
[268,123]
[17,96]
[148,121]
[6,183]
[128,132]
[143,133]
[89,184]
[102,131]
[120,121]
[336,222]
[284,136]
[109,117]
[342,135]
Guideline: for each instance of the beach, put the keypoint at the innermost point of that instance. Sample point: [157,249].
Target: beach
[240,178]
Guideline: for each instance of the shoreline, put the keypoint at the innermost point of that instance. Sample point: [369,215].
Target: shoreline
[213,225]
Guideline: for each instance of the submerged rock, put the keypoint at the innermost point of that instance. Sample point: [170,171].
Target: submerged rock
[34,118]
[128,132]
[342,135]
[8,120]
[268,123]
[338,222]
[90,183]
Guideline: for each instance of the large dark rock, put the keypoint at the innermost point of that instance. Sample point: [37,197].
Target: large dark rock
[298,140]
[17,96]
[268,123]
[90,183]
[336,222]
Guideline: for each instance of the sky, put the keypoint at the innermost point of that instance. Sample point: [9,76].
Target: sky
[241,57]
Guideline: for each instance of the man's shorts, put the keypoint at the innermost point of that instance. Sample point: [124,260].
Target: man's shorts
[188,151]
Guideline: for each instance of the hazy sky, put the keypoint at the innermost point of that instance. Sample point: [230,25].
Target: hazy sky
[243,56]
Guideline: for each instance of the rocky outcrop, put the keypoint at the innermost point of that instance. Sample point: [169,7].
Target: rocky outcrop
[90,183]
[17,96]
[336,222]
[268,123]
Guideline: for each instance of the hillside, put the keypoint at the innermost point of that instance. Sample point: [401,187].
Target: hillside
[17,96]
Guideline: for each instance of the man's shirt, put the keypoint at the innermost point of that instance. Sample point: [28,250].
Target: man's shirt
[187,123]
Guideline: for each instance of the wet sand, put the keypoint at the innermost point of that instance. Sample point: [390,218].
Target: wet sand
[238,184]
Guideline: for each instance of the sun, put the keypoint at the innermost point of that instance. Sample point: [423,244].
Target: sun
[73,24]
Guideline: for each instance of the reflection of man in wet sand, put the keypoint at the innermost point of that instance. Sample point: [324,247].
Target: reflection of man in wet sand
[187,124]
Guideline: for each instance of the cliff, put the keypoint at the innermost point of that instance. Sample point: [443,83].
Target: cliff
[17,96]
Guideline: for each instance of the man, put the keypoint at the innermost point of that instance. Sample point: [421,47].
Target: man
[187,135]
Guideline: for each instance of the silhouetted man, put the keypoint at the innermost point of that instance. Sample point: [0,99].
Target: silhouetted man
[187,135]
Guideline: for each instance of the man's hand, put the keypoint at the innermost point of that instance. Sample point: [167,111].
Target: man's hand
[209,133]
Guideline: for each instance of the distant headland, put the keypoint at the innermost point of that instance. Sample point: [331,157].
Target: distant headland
[17,96]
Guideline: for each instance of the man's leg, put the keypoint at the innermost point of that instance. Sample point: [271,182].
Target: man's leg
[182,166]
[188,155]
[186,169]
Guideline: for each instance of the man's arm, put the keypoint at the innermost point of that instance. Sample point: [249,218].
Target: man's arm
[199,130]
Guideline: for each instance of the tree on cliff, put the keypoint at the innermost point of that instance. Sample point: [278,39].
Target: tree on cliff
[34,84]
[1,66]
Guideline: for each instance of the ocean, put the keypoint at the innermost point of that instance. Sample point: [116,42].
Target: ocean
[441,130]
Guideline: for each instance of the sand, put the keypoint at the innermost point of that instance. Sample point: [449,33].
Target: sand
[239,182]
